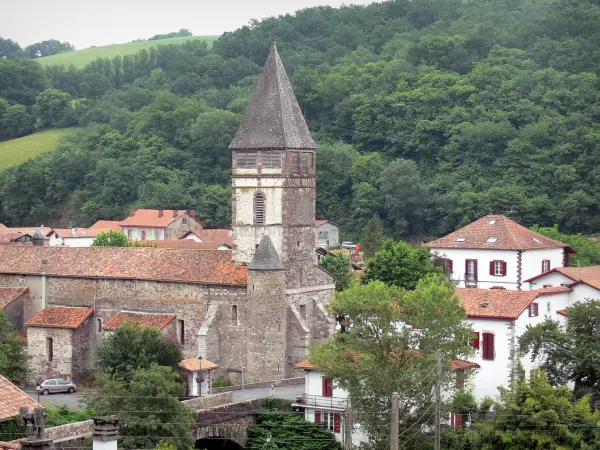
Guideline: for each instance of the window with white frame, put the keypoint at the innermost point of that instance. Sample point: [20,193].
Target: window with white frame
[533,310]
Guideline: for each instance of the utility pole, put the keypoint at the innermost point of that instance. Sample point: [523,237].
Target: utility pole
[438,399]
[348,430]
[395,423]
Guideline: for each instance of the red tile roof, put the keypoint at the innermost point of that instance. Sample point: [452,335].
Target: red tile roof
[509,236]
[193,364]
[553,290]
[459,364]
[304,365]
[27,230]
[145,263]
[60,317]
[562,312]
[13,399]
[182,243]
[156,218]
[79,233]
[11,237]
[495,303]
[158,321]
[574,273]
[213,236]
[106,225]
[9,295]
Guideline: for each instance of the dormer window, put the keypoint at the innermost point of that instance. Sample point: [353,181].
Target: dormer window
[492,240]
[491,222]
[536,240]
[461,239]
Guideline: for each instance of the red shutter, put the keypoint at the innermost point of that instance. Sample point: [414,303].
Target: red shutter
[336,423]
[491,267]
[475,268]
[488,346]
[327,387]
[503,268]
[530,310]
[466,267]
[318,416]
[476,340]
[543,261]
[535,309]
[450,266]
[324,389]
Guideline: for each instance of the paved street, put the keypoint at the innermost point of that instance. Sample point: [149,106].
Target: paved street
[282,392]
[74,401]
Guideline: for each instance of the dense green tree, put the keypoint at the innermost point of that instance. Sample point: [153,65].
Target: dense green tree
[288,430]
[17,121]
[110,238]
[378,356]
[400,264]
[569,352]
[13,353]
[338,266]
[372,236]
[148,408]
[93,85]
[9,48]
[132,348]
[53,109]
[533,414]
[588,250]
[48,48]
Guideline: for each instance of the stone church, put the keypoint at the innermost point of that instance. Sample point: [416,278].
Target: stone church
[261,305]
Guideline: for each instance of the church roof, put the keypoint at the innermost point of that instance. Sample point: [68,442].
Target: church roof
[273,118]
[266,257]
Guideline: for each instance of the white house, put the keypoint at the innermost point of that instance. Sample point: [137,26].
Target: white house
[324,402]
[327,233]
[81,237]
[497,252]
[159,224]
[498,318]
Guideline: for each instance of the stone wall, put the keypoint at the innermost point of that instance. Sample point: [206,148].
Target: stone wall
[82,349]
[209,401]
[15,311]
[294,381]
[182,225]
[61,365]
[70,430]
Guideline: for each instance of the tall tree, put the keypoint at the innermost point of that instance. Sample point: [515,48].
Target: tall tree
[569,352]
[379,355]
[400,264]
[110,238]
[53,109]
[372,236]
[9,48]
[132,348]
[338,266]
[13,353]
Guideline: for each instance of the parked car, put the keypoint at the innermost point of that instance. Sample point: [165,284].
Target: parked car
[55,385]
[348,244]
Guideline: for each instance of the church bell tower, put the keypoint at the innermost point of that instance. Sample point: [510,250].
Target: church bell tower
[274,178]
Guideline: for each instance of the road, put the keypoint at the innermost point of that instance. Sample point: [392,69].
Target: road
[281,392]
[76,400]
[73,401]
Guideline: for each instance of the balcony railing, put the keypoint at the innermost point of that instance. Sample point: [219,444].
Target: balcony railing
[318,401]
[470,280]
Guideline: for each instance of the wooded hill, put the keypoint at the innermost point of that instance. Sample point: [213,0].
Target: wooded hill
[429,114]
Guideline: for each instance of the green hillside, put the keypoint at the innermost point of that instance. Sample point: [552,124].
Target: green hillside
[81,58]
[18,150]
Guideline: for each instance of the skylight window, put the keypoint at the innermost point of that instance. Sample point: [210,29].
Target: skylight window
[537,241]
[460,239]
[492,240]
[492,222]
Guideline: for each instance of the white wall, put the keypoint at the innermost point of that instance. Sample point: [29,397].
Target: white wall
[70,241]
[151,233]
[193,237]
[551,279]
[332,233]
[532,261]
[582,292]
[483,257]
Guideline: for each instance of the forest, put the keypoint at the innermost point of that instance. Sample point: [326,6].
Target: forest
[428,114]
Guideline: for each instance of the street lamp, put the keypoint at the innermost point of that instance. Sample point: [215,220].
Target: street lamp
[199,378]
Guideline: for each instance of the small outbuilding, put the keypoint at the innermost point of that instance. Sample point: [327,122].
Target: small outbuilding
[197,372]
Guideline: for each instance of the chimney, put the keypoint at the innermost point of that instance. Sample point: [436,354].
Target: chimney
[160,212]
[175,213]
[74,231]
[131,212]
[105,433]
[32,420]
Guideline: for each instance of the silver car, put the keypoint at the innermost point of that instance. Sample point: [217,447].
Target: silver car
[55,385]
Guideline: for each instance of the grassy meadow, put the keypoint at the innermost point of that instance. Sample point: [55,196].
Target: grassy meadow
[18,150]
[80,58]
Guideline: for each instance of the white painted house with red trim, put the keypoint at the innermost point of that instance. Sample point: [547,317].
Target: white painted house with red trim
[496,252]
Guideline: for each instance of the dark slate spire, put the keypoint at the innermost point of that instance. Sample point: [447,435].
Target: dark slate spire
[265,257]
[273,118]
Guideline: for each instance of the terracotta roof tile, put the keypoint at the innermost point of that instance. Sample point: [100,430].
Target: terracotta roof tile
[60,317]
[8,295]
[27,230]
[459,364]
[193,364]
[68,233]
[320,222]
[182,244]
[562,312]
[509,235]
[158,321]
[13,399]
[213,236]
[553,290]
[156,218]
[11,237]
[114,225]
[145,263]
[304,365]
[495,303]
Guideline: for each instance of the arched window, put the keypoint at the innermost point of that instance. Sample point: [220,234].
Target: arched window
[234,315]
[259,208]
